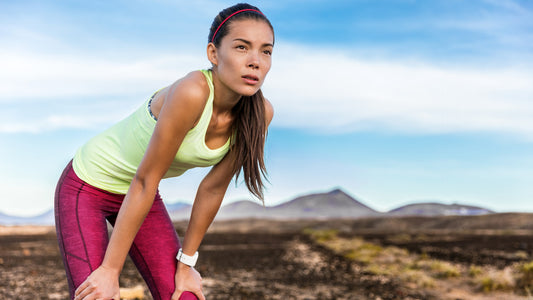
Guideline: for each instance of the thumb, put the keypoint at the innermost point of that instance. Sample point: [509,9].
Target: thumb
[176,295]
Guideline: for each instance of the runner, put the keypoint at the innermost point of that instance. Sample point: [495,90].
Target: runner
[216,117]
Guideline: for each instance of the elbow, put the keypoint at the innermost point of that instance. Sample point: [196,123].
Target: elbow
[142,184]
[138,180]
[214,190]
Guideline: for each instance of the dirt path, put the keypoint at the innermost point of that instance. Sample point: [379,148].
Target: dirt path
[234,266]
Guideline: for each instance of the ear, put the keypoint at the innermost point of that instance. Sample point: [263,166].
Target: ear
[212,53]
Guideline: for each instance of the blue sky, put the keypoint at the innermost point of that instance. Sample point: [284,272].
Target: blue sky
[393,101]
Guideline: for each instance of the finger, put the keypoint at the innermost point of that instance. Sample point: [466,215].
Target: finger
[201,296]
[81,288]
[84,293]
[176,295]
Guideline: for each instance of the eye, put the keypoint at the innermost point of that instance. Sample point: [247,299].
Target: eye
[241,47]
[267,52]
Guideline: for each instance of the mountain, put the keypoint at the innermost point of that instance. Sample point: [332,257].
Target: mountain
[176,206]
[181,213]
[46,218]
[334,204]
[438,209]
[237,210]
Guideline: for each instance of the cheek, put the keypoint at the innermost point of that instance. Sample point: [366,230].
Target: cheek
[266,66]
[230,63]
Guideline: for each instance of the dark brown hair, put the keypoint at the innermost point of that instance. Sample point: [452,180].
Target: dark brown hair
[249,126]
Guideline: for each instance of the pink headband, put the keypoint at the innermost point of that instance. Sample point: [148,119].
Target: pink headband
[239,11]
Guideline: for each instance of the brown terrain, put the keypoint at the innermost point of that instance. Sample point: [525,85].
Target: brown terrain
[469,257]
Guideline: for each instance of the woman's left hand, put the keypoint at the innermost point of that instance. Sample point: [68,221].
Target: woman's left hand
[187,280]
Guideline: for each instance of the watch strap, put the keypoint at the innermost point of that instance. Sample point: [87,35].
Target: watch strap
[187,259]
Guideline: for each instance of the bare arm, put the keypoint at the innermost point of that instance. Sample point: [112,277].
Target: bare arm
[182,107]
[207,202]
[210,195]
[184,103]
[206,205]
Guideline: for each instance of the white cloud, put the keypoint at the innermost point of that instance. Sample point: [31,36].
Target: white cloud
[29,76]
[330,90]
[48,92]
[318,89]
[49,81]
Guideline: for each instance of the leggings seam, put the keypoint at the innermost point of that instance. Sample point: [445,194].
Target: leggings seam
[75,256]
[148,272]
[79,226]
[58,193]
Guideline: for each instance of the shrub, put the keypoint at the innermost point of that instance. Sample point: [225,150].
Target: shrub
[444,269]
[378,269]
[487,284]
[474,271]
[501,280]
[322,236]
[364,253]
[417,277]
[526,275]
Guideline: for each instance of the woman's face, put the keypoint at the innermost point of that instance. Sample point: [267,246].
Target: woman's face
[244,55]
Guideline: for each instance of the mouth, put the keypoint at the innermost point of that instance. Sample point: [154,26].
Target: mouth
[251,79]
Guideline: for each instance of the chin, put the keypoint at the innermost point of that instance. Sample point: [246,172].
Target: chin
[248,92]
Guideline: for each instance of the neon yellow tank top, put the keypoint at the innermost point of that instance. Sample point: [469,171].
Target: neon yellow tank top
[109,160]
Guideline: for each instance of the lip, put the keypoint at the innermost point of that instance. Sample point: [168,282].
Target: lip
[250,79]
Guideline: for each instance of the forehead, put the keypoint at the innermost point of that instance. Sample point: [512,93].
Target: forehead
[251,30]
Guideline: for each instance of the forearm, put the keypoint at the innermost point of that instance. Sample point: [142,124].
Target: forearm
[133,211]
[205,208]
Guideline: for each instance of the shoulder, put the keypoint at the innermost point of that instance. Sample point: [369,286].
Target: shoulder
[189,94]
[185,99]
[269,111]
[192,87]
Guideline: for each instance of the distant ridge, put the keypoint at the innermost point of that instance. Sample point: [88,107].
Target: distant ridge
[333,204]
[330,205]
[438,209]
[46,218]
[242,208]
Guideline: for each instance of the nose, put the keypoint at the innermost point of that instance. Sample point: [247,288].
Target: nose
[253,61]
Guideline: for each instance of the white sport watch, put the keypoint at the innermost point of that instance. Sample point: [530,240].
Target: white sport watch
[186,259]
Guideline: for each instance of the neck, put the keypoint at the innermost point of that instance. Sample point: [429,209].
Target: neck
[224,98]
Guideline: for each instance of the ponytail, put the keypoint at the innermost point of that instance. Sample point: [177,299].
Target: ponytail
[250,133]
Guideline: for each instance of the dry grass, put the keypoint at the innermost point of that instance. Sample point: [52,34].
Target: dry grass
[525,279]
[416,270]
[498,280]
[420,271]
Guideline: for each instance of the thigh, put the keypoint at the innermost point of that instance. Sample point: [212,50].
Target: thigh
[81,228]
[154,252]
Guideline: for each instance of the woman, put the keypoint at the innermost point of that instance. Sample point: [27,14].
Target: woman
[211,117]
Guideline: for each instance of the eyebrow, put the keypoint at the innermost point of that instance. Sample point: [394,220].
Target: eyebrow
[249,43]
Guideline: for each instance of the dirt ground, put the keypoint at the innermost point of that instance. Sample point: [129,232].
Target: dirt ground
[259,260]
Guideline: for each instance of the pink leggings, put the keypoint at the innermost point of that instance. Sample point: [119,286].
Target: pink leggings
[81,211]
